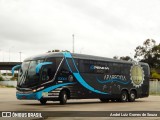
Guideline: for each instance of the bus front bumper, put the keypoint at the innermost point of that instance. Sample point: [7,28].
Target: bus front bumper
[29,96]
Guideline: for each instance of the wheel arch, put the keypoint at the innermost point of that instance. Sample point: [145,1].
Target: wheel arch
[134,91]
[125,89]
[67,91]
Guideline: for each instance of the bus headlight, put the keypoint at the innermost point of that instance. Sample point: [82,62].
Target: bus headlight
[34,90]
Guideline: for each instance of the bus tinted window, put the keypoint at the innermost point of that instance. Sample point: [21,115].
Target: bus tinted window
[72,64]
[48,71]
[90,66]
[125,70]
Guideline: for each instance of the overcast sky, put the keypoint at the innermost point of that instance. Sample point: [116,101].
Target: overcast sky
[101,27]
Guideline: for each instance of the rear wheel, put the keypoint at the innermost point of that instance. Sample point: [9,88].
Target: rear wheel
[104,100]
[113,100]
[63,97]
[124,96]
[43,101]
[132,96]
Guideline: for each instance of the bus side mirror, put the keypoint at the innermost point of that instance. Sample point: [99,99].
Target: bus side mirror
[15,67]
[39,66]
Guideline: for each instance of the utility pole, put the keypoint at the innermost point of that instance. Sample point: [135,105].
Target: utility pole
[0,52]
[73,42]
[9,54]
[20,55]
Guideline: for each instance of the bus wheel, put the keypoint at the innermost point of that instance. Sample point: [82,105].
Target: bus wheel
[63,97]
[113,100]
[124,96]
[43,101]
[132,96]
[104,100]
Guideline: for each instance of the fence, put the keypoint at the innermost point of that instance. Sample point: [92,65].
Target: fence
[155,87]
[8,83]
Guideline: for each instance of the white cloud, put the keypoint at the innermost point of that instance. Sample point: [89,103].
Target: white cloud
[103,28]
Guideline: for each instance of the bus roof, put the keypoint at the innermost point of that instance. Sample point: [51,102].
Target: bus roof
[92,57]
[79,56]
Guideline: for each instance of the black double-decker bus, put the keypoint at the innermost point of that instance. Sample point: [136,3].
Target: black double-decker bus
[64,75]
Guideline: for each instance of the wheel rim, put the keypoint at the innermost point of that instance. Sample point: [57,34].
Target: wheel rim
[124,97]
[132,95]
[65,97]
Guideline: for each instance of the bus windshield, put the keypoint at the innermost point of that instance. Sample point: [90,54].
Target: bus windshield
[27,74]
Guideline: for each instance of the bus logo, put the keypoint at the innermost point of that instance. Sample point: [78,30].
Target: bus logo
[137,75]
[93,67]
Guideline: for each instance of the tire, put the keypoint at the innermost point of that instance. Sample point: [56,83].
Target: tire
[104,100]
[132,96]
[113,100]
[124,96]
[43,101]
[63,97]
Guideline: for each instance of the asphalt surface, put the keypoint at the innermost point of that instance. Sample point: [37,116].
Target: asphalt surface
[8,102]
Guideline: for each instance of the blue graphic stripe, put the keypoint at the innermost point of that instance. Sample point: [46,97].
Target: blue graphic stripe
[79,77]
[38,67]
[65,56]
[75,65]
[113,80]
[82,82]
[38,95]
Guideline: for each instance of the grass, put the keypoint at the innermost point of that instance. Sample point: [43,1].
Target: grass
[1,79]
[10,86]
[7,86]
[153,93]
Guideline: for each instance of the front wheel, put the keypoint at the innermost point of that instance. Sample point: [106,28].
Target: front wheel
[104,99]
[63,97]
[43,101]
[132,96]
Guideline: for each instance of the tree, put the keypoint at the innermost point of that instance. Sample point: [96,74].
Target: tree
[126,58]
[149,53]
[115,57]
[143,52]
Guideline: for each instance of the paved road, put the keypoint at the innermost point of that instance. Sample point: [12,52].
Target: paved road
[8,102]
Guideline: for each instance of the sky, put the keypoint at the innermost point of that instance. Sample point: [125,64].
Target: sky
[101,27]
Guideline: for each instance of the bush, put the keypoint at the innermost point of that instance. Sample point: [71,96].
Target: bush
[14,78]
[10,86]
[155,76]
[1,78]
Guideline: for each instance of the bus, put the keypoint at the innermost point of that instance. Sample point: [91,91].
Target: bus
[59,76]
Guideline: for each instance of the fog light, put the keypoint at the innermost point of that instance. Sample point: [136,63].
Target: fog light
[34,90]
